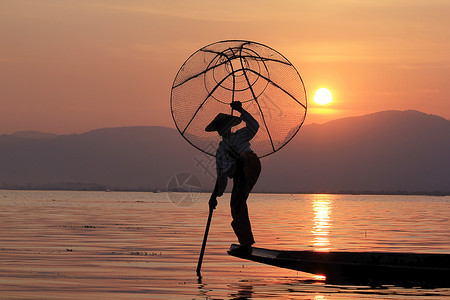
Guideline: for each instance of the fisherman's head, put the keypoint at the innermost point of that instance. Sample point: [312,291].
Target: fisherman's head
[223,123]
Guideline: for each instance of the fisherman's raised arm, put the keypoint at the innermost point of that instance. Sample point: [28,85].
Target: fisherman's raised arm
[250,122]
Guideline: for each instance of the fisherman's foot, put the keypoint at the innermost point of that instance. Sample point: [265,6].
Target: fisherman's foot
[244,249]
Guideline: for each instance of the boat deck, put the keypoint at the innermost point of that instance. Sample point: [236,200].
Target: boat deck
[423,269]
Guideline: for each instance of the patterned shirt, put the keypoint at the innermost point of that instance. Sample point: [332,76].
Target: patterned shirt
[230,148]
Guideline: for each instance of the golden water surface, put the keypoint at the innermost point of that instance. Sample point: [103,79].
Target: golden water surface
[121,245]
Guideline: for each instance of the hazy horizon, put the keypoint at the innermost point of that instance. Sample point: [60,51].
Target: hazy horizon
[174,127]
[391,151]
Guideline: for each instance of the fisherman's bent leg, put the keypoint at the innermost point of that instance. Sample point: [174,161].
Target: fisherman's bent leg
[241,222]
[252,169]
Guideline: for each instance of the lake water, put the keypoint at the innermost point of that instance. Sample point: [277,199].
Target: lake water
[124,245]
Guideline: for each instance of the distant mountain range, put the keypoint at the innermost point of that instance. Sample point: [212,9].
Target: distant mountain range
[385,152]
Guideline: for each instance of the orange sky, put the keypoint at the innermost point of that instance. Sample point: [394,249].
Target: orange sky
[75,65]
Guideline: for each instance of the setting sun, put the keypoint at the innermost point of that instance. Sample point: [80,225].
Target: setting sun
[323,96]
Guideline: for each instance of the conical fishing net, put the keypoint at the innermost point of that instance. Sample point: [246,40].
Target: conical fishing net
[267,84]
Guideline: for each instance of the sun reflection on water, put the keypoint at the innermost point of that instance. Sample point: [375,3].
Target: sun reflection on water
[322,206]
[319,277]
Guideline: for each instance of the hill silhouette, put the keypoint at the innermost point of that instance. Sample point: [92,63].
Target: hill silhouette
[384,152]
[123,158]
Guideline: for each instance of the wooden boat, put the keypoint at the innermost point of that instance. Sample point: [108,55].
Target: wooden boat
[367,268]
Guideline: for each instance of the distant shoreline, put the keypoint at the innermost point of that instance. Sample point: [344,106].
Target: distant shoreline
[98,189]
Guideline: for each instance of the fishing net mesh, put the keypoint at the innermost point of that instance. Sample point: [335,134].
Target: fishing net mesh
[266,83]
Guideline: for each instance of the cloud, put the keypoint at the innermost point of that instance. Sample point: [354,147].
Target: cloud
[7,60]
[193,10]
[218,11]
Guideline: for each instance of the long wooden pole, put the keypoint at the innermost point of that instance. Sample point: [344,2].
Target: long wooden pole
[212,206]
[205,237]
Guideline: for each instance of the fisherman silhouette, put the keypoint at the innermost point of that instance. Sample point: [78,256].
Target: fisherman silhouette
[235,159]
